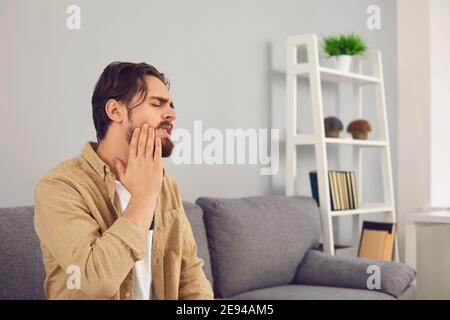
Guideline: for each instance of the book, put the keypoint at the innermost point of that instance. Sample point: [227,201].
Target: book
[336,189]
[349,189]
[377,240]
[339,190]
[355,191]
[345,190]
[314,186]
[334,205]
[342,189]
[350,193]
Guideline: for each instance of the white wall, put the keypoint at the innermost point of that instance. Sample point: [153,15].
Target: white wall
[216,54]
[423,132]
[413,101]
[440,102]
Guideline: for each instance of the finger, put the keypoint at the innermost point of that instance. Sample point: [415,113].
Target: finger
[142,141]
[133,144]
[120,168]
[158,147]
[150,144]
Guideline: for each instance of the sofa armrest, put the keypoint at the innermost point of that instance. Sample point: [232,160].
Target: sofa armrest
[321,269]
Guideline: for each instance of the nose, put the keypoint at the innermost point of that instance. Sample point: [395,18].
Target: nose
[170,114]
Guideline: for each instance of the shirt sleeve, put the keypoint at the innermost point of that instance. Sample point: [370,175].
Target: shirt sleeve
[66,227]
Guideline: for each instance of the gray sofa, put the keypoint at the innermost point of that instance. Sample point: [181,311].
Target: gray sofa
[253,248]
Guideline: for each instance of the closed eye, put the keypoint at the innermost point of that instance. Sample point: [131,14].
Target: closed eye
[158,105]
[161,101]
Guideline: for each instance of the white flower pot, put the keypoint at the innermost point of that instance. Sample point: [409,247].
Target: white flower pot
[343,62]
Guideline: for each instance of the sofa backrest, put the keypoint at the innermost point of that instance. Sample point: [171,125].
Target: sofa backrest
[21,269]
[258,242]
[22,272]
[246,244]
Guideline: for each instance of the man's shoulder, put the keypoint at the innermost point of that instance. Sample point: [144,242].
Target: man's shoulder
[64,172]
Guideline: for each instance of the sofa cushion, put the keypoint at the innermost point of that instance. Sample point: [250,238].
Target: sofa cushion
[195,216]
[21,269]
[321,269]
[302,292]
[258,242]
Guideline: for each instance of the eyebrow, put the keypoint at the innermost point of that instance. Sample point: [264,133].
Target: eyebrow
[161,99]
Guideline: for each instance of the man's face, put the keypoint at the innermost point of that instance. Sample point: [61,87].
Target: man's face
[156,110]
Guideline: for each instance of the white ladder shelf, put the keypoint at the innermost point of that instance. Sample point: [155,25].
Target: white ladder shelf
[316,74]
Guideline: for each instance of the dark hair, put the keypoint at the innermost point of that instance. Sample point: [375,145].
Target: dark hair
[120,81]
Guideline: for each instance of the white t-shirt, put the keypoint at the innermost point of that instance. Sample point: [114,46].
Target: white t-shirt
[142,269]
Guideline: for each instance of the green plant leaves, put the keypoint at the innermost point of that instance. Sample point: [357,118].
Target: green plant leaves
[351,44]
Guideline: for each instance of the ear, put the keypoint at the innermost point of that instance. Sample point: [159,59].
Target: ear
[115,110]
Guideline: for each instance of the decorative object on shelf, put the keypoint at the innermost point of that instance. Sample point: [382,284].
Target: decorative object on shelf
[341,48]
[359,129]
[333,126]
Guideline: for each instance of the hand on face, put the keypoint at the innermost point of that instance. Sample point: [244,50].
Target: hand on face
[144,173]
[164,128]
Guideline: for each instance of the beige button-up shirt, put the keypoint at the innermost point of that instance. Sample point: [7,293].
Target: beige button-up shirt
[89,249]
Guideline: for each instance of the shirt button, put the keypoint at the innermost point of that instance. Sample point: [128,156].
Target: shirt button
[127,294]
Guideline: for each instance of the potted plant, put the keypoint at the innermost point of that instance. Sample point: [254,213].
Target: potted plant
[333,126]
[341,48]
[359,129]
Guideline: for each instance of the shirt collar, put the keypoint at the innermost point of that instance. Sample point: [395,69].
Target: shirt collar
[89,154]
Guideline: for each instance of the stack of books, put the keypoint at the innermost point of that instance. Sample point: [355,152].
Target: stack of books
[343,190]
[377,240]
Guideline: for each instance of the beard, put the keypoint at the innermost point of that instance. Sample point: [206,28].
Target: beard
[166,143]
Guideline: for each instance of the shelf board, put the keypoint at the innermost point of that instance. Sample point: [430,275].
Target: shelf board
[364,208]
[332,75]
[356,142]
[336,76]
[442,216]
[310,139]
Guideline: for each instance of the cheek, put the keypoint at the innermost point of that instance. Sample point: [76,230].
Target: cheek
[145,115]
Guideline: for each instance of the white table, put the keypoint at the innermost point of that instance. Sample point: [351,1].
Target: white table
[412,221]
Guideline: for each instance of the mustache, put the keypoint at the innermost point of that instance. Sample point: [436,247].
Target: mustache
[165,124]
[159,126]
